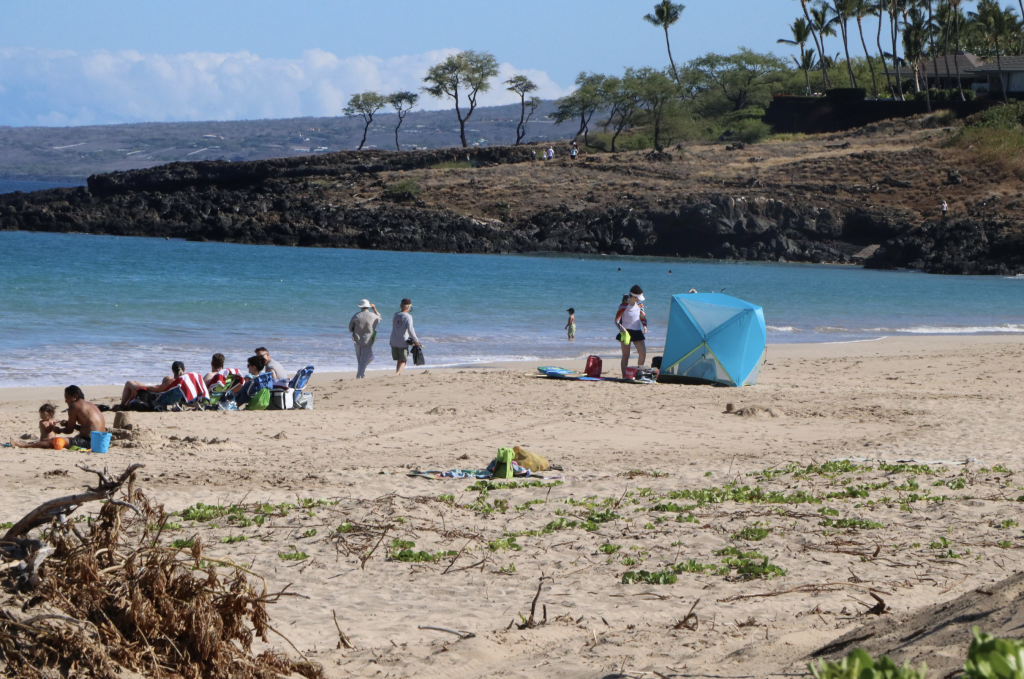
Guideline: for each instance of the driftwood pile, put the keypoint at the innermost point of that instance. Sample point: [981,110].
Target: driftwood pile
[90,598]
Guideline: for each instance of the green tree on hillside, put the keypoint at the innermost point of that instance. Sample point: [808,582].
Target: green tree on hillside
[402,102]
[466,73]
[365,104]
[583,103]
[522,86]
[626,101]
[744,79]
[656,93]
[665,14]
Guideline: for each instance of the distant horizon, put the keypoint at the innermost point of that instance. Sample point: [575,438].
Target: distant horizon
[256,120]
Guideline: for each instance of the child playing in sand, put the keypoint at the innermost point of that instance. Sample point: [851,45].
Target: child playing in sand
[46,428]
[571,325]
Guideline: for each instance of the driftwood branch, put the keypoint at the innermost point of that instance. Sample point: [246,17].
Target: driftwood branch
[460,635]
[48,511]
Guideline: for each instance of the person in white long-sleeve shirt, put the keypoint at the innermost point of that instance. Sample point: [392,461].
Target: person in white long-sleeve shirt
[402,335]
[363,327]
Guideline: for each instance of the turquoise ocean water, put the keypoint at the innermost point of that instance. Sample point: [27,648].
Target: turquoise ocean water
[97,309]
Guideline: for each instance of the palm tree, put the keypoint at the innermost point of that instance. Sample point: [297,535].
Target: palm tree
[894,7]
[814,35]
[806,64]
[914,38]
[843,10]
[997,25]
[861,9]
[958,19]
[878,9]
[801,32]
[665,14]
[822,24]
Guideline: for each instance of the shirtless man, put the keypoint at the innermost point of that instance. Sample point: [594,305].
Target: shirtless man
[82,416]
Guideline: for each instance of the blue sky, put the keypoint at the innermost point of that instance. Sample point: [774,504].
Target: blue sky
[106,61]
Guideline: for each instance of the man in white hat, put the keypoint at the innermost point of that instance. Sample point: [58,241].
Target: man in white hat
[363,327]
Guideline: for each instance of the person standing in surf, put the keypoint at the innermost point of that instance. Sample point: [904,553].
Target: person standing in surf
[401,328]
[570,327]
[632,324]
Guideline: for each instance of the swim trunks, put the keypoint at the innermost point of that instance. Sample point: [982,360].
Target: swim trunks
[400,354]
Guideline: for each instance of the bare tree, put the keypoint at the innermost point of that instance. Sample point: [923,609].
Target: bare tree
[467,72]
[365,104]
[402,102]
[522,86]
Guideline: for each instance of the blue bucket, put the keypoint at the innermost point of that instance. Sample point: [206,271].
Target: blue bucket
[100,441]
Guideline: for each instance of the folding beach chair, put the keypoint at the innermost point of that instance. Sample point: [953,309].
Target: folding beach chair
[300,399]
[220,392]
[168,400]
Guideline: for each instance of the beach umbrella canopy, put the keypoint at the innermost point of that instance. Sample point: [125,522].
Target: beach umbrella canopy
[714,338]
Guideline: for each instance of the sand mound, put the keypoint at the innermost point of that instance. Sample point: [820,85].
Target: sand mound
[756,411]
[941,633]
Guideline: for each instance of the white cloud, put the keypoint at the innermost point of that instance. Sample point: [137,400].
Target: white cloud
[51,87]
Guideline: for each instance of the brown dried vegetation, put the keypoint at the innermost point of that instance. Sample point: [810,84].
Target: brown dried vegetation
[113,596]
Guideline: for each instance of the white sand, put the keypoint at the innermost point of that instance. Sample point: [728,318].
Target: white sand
[923,398]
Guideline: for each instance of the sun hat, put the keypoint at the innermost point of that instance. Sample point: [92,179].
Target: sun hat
[364,304]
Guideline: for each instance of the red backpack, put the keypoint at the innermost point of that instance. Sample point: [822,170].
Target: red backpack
[593,368]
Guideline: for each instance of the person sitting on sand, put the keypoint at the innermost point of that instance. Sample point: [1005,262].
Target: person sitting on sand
[131,389]
[280,374]
[218,373]
[47,426]
[83,417]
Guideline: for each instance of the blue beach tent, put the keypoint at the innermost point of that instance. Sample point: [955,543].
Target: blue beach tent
[713,338]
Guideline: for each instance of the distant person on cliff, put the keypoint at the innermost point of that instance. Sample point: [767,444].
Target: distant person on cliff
[83,417]
[945,210]
[402,335]
[632,324]
[363,327]
[570,327]
[280,374]
[551,154]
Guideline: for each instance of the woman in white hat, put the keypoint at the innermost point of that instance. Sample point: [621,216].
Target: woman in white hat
[363,327]
[632,324]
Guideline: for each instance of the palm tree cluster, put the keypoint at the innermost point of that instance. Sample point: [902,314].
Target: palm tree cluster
[923,30]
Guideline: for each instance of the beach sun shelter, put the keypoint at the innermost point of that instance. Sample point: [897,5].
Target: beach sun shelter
[713,338]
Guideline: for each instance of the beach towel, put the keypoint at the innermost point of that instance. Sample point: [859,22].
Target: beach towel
[452,474]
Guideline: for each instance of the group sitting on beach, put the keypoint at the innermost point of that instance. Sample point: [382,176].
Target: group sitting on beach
[221,385]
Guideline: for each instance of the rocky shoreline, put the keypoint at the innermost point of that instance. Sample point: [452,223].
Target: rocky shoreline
[284,202]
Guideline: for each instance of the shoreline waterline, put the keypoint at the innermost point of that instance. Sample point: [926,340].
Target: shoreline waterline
[128,307]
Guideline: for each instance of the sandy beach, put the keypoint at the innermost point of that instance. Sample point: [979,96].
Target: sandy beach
[638,461]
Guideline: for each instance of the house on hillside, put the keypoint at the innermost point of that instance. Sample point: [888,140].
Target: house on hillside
[940,73]
[989,82]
